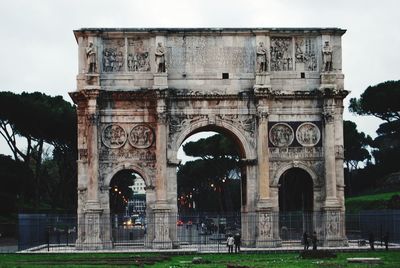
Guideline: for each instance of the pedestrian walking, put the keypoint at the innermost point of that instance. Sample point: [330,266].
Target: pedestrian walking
[237,242]
[305,241]
[229,243]
[314,240]
[371,239]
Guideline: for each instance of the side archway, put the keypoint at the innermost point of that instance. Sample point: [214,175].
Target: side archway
[296,200]
[124,166]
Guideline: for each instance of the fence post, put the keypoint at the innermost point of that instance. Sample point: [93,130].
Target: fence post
[48,237]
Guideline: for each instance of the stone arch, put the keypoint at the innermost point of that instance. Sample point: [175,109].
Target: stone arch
[294,164]
[231,130]
[124,166]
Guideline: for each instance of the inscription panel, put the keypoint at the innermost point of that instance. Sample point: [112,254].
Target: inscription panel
[199,53]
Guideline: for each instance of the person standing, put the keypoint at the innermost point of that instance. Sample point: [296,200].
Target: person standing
[237,242]
[229,242]
[386,240]
[371,239]
[305,240]
[314,240]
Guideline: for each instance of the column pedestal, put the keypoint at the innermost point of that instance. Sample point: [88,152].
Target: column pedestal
[333,224]
[93,227]
[160,81]
[162,220]
[92,81]
[263,82]
[266,220]
[328,81]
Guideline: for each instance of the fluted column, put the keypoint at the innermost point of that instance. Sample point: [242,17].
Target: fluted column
[161,209]
[263,155]
[329,155]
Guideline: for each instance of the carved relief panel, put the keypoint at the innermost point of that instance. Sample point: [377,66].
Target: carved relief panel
[133,142]
[308,134]
[333,223]
[113,55]
[281,135]
[141,136]
[305,54]
[114,136]
[281,54]
[265,227]
[138,55]
[294,134]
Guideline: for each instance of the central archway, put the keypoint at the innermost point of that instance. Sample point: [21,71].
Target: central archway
[296,200]
[215,223]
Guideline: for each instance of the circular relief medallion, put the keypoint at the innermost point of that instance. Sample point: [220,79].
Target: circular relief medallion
[308,134]
[281,135]
[141,136]
[114,136]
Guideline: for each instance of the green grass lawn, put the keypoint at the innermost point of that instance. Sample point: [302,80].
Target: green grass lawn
[366,202]
[391,259]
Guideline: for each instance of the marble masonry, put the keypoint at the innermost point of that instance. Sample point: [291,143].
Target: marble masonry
[278,92]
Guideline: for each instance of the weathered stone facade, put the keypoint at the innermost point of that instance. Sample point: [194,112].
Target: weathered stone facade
[141,92]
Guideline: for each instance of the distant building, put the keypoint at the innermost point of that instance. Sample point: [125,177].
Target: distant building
[137,204]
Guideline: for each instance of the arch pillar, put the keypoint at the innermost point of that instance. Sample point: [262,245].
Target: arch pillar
[161,209]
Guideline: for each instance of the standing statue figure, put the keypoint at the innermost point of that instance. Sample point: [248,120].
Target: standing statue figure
[91,57]
[327,57]
[261,58]
[160,58]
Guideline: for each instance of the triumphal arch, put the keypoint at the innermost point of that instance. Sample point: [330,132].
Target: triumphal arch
[278,92]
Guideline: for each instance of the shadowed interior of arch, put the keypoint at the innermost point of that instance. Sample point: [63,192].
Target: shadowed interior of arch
[127,200]
[295,204]
[295,191]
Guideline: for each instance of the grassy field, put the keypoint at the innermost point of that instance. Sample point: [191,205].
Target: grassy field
[390,259]
[372,201]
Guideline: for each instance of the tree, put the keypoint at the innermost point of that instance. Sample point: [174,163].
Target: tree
[15,180]
[214,175]
[355,151]
[382,101]
[40,119]
[355,145]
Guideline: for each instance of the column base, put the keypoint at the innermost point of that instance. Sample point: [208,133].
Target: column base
[331,203]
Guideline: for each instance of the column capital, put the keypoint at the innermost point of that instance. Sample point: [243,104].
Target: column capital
[328,116]
[262,113]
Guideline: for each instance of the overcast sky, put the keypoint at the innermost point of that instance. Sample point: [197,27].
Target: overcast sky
[39,51]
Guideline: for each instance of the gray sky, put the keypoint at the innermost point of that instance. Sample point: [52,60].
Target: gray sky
[39,52]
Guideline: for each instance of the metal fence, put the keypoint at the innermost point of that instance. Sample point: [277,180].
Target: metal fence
[197,232]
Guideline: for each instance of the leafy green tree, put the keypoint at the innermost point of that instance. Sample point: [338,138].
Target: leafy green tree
[383,101]
[355,145]
[213,180]
[40,120]
[355,151]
